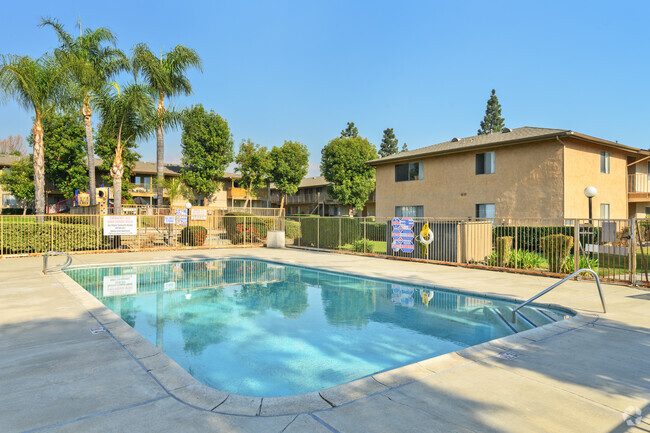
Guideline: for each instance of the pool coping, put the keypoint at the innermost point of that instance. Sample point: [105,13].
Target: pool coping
[182,386]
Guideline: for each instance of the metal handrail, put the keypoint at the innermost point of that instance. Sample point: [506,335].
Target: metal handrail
[67,263]
[579,271]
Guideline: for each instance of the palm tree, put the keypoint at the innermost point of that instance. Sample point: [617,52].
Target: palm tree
[166,76]
[92,65]
[37,84]
[125,116]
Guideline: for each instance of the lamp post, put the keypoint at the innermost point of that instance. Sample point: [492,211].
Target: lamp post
[590,192]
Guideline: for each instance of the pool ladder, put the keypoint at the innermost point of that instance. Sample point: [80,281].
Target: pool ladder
[47,255]
[545,291]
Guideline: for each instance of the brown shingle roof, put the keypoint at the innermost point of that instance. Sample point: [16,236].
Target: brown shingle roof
[6,160]
[526,133]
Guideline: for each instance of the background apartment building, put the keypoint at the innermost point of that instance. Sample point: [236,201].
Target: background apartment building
[519,173]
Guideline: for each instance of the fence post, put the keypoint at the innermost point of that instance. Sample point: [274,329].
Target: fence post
[576,245]
[318,231]
[2,237]
[632,251]
[339,244]
[516,243]
[51,234]
[365,220]
[138,232]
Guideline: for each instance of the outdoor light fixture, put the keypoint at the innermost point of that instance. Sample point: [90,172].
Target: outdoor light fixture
[590,192]
[188,205]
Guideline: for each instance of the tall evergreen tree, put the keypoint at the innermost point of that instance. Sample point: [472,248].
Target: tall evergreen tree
[492,122]
[388,143]
[350,131]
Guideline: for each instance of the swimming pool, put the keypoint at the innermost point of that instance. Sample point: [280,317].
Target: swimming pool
[264,329]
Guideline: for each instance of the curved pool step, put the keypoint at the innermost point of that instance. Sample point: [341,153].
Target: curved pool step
[521,323]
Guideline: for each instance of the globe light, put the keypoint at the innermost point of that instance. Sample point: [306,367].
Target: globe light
[591,191]
[188,205]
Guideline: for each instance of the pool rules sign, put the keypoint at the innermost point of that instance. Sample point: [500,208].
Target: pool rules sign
[120,225]
[402,235]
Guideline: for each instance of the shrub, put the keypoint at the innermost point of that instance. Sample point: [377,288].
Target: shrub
[588,262]
[529,237]
[292,229]
[503,247]
[556,249]
[323,232]
[194,235]
[33,237]
[245,227]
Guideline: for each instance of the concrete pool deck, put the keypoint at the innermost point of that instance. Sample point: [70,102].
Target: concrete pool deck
[582,375]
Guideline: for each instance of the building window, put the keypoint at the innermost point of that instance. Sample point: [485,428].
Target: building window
[485,163]
[648,171]
[409,211]
[485,210]
[408,171]
[647,211]
[8,200]
[604,211]
[604,162]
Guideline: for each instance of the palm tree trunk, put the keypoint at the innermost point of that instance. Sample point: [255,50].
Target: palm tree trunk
[116,172]
[160,152]
[87,114]
[39,167]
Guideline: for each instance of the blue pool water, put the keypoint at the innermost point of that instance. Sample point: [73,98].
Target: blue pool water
[261,329]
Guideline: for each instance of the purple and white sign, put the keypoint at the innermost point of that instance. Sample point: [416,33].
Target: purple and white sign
[402,235]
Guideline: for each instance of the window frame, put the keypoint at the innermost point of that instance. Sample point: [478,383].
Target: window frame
[409,170]
[415,211]
[605,167]
[477,212]
[608,208]
[480,163]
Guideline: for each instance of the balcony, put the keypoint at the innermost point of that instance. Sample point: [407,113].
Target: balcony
[638,187]
[143,188]
[302,198]
[241,194]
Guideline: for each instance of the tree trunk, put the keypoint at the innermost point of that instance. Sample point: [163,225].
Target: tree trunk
[160,152]
[350,211]
[116,172]
[281,204]
[248,194]
[87,115]
[39,168]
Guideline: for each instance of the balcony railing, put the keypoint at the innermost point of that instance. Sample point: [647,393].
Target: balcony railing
[241,193]
[638,183]
[309,198]
[143,188]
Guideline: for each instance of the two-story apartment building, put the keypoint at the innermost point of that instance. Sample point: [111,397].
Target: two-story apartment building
[519,173]
[312,198]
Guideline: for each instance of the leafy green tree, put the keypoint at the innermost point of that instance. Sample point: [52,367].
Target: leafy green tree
[388,143]
[253,163]
[207,147]
[65,153]
[93,60]
[404,148]
[125,118]
[174,186]
[166,77]
[492,122]
[36,84]
[105,148]
[343,163]
[350,131]
[289,165]
[19,181]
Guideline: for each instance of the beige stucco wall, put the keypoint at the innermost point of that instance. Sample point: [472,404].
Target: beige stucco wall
[527,182]
[582,169]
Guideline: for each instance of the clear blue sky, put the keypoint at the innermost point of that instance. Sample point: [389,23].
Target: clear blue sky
[300,70]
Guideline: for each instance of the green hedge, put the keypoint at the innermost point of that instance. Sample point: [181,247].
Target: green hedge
[245,227]
[529,237]
[292,229]
[194,235]
[24,238]
[324,232]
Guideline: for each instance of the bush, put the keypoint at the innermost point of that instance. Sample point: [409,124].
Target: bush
[194,236]
[292,229]
[245,227]
[529,237]
[33,237]
[503,247]
[323,232]
[556,249]
[588,262]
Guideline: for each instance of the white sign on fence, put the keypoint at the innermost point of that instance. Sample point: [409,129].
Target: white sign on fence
[199,214]
[119,285]
[170,219]
[120,225]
